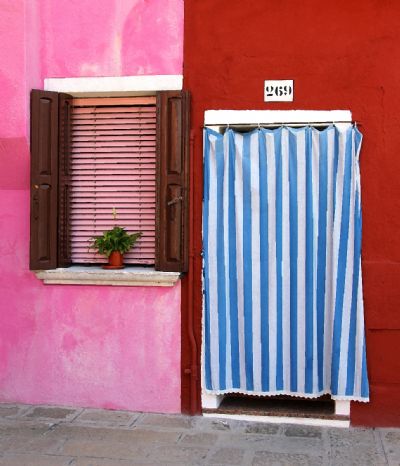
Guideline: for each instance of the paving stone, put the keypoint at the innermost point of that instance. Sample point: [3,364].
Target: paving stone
[111,438]
[35,460]
[391,436]
[274,443]
[263,458]
[165,420]
[231,456]
[10,427]
[357,458]
[241,439]
[199,438]
[175,454]
[393,459]
[391,445]
[51,412]
[106,462]
[214,424]
[104,449]
[350,437]
[9,410]
[302,431]
[391,441]
[360,447]
[260,428]
[30,443]
[119,418]
[138,434]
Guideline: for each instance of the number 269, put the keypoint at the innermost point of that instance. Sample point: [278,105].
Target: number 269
[278,91]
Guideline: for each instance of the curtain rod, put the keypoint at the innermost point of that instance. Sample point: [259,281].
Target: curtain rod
[268,125]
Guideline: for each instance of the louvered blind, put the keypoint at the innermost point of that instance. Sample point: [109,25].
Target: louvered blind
[113,174]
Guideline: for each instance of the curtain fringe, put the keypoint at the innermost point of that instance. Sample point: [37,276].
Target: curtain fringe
[287,393]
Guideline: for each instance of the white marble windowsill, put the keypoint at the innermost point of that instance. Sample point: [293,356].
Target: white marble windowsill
[129,276]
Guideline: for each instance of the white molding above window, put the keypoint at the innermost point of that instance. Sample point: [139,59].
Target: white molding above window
[117,85]
[129,276]
[254,117]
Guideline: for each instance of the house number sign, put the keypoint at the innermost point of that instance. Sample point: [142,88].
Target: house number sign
[278,90]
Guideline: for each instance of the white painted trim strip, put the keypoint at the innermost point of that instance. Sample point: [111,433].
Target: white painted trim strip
[153,83]
[210,401]
[130,276]
[283,420]
[342,407]
[237,117]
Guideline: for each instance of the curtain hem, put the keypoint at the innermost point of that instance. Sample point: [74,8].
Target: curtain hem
[288,393]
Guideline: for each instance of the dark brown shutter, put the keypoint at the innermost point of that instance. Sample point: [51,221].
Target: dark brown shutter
[64,152]
[173,128]
[48,147]
[44,179]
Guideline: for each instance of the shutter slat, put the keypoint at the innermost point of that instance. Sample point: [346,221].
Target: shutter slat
[103,152]
[116,145]
[130,141]
[134,126]
[101,112]
[105,191]
[128,120]
[104,215]
[113,101]
[86,197]
[100,225]
[87,165]
[113,160]
[133,146]
[122,138]
[117,134]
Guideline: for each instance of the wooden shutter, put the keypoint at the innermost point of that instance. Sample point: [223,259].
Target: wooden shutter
[113,174]
[44,179]
[173,128]
[49,146]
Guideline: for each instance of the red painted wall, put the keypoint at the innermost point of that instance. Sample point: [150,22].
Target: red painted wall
[342,55]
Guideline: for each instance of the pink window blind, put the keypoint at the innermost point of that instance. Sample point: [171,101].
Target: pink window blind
[113,174]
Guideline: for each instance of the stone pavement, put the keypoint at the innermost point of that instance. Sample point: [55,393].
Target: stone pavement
[61,436]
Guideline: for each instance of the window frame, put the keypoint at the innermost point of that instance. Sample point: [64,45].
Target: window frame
[173,128]
[124,124]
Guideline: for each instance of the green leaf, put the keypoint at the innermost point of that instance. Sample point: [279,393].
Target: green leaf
[117,239]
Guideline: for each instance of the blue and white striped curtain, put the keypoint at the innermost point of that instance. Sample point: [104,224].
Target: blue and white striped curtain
[283,304]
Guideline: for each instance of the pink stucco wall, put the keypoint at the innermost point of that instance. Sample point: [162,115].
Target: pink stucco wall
[110,37]
[93,346]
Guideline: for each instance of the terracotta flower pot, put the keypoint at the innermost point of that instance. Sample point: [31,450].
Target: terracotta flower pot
[115,261]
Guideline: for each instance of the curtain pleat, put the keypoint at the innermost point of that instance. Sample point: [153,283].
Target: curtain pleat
[283,305]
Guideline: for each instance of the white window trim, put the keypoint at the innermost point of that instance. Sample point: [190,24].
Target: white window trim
[95,275]
[115,85]
[266,117]
[111,86]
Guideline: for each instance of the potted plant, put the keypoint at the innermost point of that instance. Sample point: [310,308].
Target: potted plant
[114,244]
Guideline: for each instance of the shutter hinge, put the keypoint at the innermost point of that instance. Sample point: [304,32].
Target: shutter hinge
[175,200]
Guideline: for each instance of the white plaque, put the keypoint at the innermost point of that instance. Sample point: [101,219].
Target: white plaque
[280,90]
